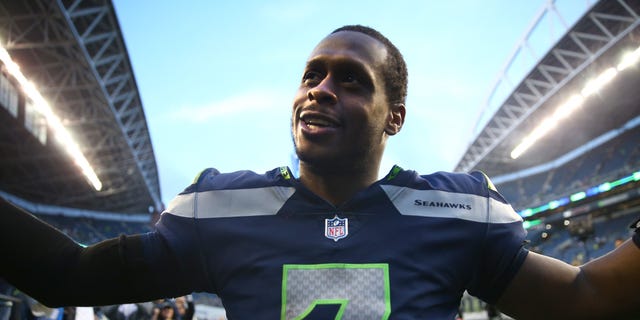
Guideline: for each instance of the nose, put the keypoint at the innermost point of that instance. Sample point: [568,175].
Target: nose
[324,92]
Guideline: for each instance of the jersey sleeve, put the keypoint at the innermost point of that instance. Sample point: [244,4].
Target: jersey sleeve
[57,271]
[179,230]
[503,249]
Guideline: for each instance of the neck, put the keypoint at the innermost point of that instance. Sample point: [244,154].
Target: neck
[337,186]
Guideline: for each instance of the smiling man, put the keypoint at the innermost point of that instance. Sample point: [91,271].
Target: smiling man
[337,243]
[342,114]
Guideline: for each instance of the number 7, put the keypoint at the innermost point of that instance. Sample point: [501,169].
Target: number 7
[361,290]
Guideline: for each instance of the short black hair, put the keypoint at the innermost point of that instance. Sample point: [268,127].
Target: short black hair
[395,73]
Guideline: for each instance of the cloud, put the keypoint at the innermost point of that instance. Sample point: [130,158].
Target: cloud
[248,102]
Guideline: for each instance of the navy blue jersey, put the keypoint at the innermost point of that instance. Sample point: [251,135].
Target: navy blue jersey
[407,247]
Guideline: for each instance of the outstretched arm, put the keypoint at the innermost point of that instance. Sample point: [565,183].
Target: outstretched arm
[546,288]
[55,270]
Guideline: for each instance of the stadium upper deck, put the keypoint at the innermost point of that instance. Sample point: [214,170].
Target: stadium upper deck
[593,47]
[596,42]
[74,55]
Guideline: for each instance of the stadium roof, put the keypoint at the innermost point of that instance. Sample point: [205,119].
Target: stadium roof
[593,44]
[74,54]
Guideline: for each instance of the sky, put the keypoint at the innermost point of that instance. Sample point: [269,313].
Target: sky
[217,78]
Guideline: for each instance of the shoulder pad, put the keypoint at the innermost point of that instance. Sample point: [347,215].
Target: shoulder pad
[204,173]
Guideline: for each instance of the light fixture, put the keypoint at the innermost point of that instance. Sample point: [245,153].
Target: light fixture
[60,132]
[564,110]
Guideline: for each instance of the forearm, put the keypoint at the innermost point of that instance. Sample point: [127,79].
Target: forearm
[547,288]
[615,278]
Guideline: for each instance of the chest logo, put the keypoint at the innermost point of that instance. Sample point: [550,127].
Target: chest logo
[336,228]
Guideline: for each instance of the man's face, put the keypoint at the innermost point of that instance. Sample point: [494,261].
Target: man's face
[340,110]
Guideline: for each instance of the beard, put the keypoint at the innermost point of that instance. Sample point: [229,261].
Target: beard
[359,158]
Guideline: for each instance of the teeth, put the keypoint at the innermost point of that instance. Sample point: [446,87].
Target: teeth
[318,122]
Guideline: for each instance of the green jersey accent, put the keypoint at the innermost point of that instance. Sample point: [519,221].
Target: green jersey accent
[361,290]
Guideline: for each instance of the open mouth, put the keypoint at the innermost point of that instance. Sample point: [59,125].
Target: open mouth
[318,121]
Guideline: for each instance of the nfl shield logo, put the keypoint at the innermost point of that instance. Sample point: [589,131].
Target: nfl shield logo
[336,228]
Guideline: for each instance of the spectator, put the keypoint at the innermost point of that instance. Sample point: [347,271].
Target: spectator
[128,311]
[185,307]
[164,311]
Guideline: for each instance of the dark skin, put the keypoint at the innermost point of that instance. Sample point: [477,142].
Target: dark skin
[341,118]
[601,289]
[341,122]
[340,125]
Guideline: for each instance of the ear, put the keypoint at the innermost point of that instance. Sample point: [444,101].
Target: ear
[395,119]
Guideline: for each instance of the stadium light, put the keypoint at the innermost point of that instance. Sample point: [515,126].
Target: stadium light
[564,110]
[629,59]
[569,107]
[599,82]
[60,132]
[548,124]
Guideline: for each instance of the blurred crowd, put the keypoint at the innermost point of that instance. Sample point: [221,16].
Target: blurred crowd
[18,306]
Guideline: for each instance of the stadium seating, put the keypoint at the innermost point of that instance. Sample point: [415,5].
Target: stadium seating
[618,157]
[610,161]
[89,231]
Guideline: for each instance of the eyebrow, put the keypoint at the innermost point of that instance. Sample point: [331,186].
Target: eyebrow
[341,62]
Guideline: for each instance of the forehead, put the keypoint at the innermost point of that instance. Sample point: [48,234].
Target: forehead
[353,46]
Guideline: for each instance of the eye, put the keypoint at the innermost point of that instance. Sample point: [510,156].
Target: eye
[356,81]
[311,78]
[350,78]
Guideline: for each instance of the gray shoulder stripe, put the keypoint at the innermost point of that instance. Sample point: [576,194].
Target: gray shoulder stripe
[230,203]
[443,204]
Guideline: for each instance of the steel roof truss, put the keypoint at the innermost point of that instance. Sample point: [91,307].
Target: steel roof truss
[572,53]
[78,15]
